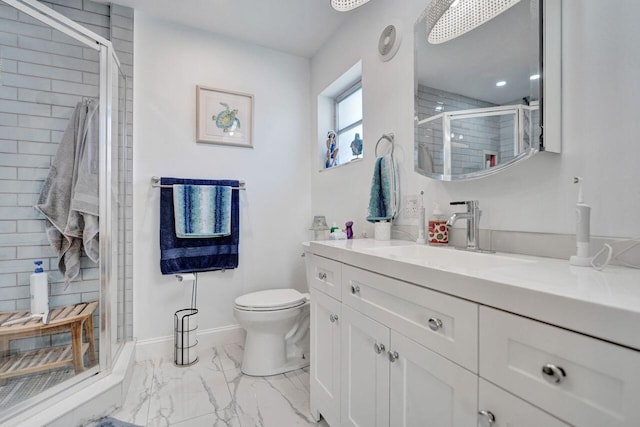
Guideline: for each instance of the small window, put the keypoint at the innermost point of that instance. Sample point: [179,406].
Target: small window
[340,120]
[348,123]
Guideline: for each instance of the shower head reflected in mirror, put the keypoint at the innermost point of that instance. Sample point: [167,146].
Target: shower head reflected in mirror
[448,19]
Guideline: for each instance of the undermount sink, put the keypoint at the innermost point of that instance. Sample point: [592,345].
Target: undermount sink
[446,257]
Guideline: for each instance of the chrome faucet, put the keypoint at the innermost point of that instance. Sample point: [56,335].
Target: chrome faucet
[472,215]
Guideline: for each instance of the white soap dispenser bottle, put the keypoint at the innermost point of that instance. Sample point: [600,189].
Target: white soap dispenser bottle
[39,289]
[583,231]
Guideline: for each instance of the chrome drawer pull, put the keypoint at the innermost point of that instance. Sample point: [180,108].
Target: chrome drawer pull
[393,356]
[378,348]
[322,276]
[333,318]
[486,418]
[552,373]
[355,289]
[435,324]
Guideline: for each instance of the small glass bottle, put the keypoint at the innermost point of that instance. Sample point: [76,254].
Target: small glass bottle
[438,231]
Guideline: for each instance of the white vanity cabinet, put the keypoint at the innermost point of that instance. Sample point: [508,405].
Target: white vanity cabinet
[579,379]
[392,374]
[389,380]
[326,320]
[395,343]
[432,337]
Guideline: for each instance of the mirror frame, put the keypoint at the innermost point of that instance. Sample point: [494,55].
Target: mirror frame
[550,64]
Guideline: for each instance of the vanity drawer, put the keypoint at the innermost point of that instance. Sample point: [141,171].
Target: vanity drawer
[509,410]
[579,379]
[324,275]
[442,323]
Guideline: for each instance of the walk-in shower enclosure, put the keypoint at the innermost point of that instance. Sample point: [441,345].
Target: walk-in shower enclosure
[54,55]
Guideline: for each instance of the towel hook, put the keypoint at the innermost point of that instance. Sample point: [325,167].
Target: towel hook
[385,137]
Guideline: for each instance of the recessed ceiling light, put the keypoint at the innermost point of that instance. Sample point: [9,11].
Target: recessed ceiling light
[501,83]
[534,77]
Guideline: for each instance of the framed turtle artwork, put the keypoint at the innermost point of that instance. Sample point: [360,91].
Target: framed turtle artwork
[224,117]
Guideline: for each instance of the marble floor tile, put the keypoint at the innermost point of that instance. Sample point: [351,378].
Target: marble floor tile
[135,409]
[182,393]
[208,420]
[269,401]
[214,392]
[229,356]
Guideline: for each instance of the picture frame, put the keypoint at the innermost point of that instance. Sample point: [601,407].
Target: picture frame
[224,117]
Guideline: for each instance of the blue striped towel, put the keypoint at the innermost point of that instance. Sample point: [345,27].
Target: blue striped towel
[202,211]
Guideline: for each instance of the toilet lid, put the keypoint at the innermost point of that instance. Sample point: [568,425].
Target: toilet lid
[273,299]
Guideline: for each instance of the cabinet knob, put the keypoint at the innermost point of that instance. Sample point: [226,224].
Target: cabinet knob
[393,356]
[333,318]
[322,276]
[435,324]
[486,418]
[552,373]
[355,289]
[378,348]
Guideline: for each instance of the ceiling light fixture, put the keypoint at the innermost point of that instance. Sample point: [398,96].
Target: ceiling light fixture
[534,77]
[501,83]
[448,19]
[346,5]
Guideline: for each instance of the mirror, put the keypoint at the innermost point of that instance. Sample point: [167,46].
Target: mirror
[478,96]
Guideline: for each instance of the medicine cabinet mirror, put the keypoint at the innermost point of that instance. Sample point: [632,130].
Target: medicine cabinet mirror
[485,92]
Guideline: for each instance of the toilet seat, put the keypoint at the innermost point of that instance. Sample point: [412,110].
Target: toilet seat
[270,300]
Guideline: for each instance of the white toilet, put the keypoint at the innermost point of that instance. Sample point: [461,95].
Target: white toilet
[277,325]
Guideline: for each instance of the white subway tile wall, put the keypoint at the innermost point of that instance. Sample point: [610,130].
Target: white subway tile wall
[480,135]
[44,74]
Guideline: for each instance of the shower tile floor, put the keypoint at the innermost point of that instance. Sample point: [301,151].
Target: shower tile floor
[214,392]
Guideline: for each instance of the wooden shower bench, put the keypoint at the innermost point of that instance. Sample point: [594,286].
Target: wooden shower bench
[73,318]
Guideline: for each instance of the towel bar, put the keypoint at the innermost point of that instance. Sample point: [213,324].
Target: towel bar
[389,137]
[155,182]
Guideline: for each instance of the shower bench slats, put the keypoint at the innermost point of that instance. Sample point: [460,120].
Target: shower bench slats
[38,360]
[74,318]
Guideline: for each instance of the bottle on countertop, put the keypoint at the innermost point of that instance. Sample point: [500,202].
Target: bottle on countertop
[336,233]
[349,229]
[438,232]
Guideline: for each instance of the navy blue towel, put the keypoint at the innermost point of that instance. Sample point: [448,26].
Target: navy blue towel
[190,255]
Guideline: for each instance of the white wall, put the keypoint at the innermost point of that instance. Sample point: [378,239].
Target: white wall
[275,210]
[601,127]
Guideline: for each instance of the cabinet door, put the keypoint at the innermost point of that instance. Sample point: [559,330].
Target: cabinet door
[365,371]
[428,390]
[442,323]
[325,357]
[507,410]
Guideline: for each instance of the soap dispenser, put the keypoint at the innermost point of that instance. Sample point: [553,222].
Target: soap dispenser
[438,231]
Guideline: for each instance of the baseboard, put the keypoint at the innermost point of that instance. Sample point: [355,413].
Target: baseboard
[151,348]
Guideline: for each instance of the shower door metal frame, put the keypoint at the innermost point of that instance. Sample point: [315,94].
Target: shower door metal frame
[108,59]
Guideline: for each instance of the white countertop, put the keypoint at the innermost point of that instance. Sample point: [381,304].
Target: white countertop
[603,304]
